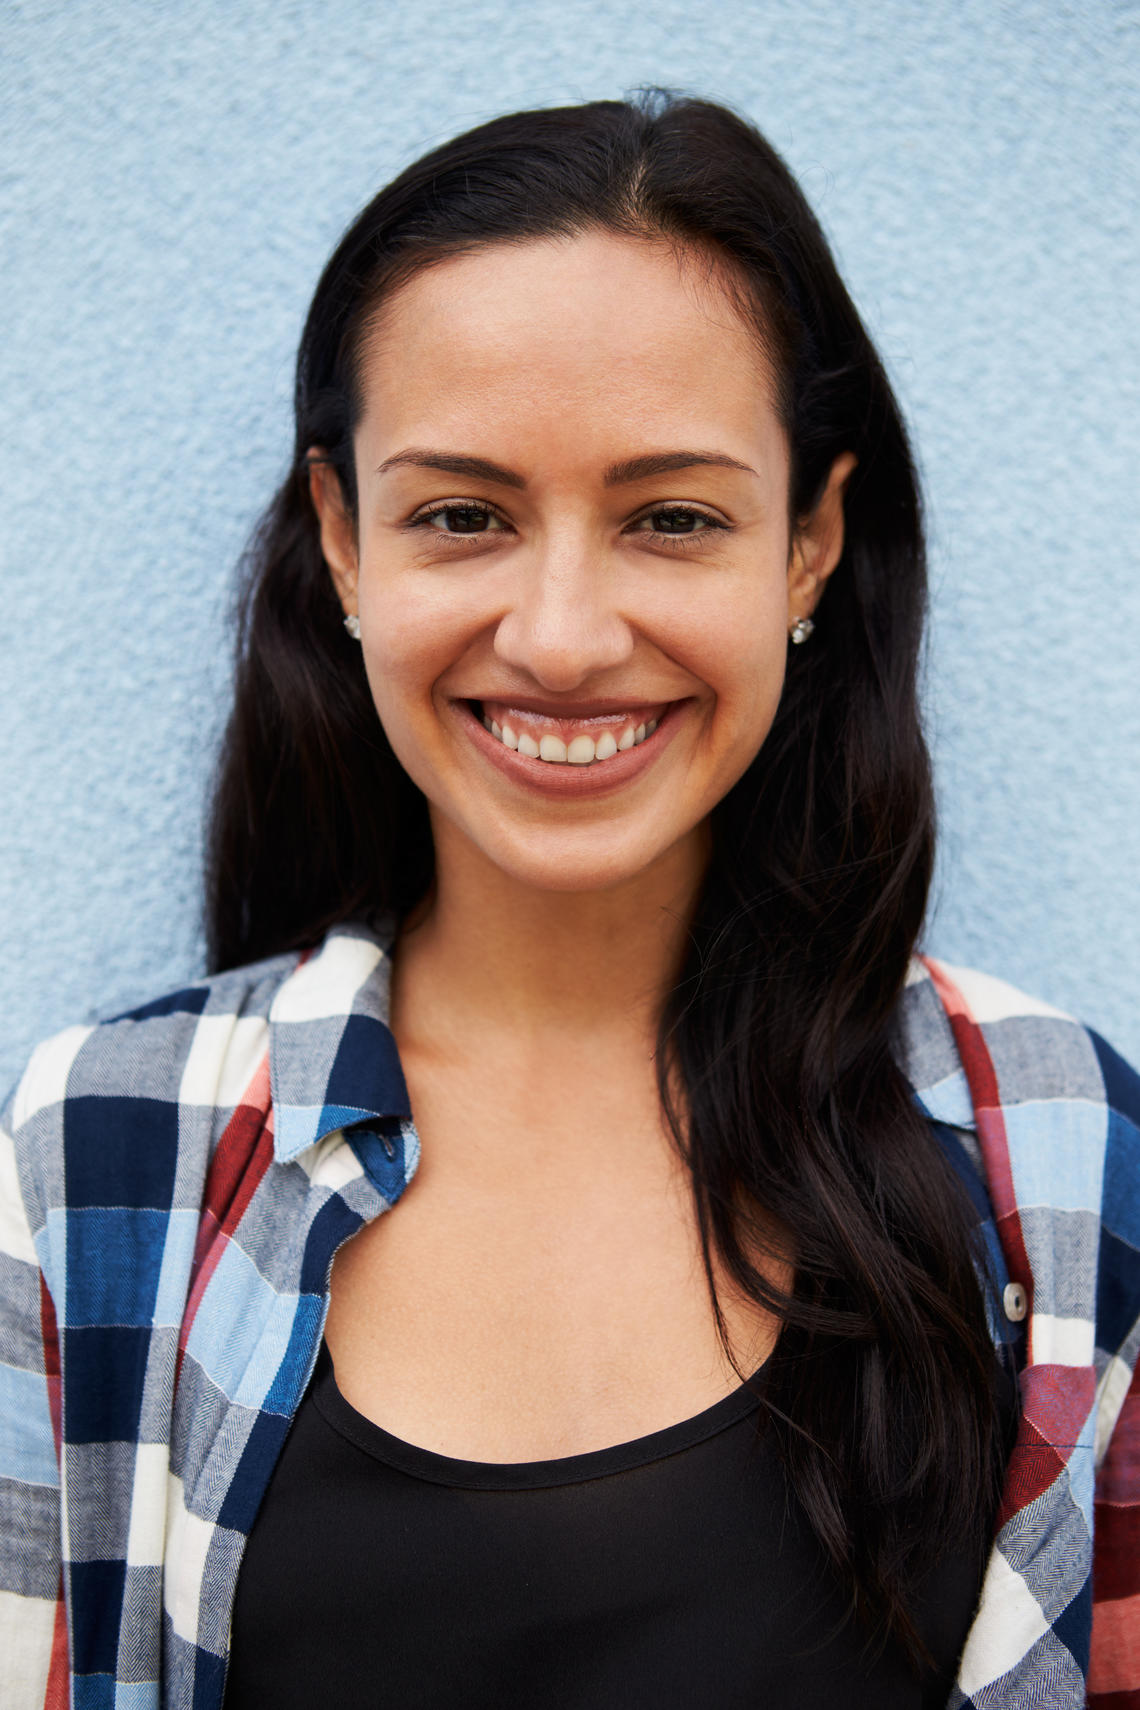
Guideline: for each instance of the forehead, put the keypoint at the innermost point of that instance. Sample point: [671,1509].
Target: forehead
[601,332]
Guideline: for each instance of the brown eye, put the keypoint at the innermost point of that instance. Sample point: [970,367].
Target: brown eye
[462,519]
[459,517]
[675,521]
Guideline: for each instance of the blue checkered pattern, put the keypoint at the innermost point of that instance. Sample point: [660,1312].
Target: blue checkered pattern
[174,1183]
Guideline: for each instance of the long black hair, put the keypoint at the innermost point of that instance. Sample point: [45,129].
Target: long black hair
[778,1057]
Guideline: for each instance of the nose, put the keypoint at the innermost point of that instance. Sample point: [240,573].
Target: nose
[563,625]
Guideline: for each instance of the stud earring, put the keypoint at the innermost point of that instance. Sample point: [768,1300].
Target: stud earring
[352,624]
[800,630]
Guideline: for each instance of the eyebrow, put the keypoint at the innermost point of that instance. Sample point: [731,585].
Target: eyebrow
[617,475]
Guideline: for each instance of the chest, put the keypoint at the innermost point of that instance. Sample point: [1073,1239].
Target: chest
[674,1572]
[539,1290]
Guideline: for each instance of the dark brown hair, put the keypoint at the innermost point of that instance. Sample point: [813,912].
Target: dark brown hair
[781,1028]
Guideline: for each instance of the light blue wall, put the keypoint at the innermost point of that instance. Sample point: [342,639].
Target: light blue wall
[172,179]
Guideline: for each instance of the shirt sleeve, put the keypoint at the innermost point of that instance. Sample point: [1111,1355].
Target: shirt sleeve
[1114,1664]
[33,1634]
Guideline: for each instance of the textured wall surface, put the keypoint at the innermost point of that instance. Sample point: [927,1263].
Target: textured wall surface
[173,178]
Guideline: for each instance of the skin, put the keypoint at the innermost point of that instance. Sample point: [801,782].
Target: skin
[539,1291]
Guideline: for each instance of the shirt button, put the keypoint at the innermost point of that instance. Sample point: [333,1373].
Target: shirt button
[1015,1301]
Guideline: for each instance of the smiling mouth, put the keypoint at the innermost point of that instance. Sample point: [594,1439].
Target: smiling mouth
[561,741]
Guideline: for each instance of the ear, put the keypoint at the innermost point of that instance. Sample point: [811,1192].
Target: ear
[818,543]
[338,529]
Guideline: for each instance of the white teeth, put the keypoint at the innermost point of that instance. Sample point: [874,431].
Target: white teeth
[581,751]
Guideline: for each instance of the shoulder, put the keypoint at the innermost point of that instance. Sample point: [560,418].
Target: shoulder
[146,1053]
[967,1031]
[154,1089]
[101,1108]
[1052,1113]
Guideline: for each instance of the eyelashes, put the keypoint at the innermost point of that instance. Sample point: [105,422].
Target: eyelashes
[677,525]
[475,515]
[671,515]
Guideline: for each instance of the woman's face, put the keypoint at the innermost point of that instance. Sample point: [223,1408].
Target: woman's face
[572,528]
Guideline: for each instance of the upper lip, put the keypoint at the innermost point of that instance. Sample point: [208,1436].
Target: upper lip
[574,709]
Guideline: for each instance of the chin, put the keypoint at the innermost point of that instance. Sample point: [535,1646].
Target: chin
[582,880]
[569,865]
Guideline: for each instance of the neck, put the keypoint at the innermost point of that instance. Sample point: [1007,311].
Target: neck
[490,954]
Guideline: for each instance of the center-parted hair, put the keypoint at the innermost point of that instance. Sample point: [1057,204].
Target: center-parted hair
[777,1055]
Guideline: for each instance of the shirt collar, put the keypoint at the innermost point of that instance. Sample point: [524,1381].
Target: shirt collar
[929,1054]
[333,1061]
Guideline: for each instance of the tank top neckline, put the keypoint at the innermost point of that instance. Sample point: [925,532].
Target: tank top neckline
[435,1468]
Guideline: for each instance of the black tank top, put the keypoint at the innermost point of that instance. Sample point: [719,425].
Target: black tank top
[670,1573]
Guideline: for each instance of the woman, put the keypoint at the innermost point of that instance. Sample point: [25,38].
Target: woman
[575,799]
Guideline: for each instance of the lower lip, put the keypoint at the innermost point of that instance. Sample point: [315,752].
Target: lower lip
[561,781]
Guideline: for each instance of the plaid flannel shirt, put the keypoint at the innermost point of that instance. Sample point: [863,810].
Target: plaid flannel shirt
[174,1184]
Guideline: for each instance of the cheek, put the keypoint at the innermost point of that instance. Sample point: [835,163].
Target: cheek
[400,671]
[736,643]
[415,630]
[742,663]
[748,711]
[411,636]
